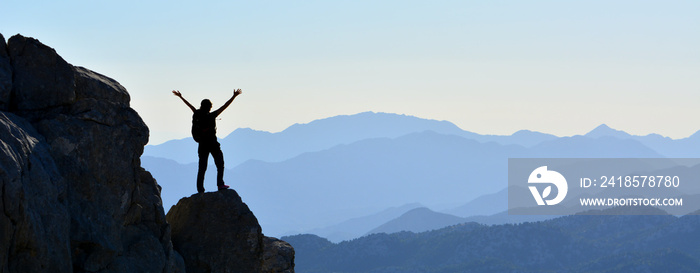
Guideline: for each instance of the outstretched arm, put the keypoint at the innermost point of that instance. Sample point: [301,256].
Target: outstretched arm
[235,94]
[179,95]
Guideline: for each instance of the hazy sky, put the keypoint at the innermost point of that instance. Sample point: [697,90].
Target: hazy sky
[491,67]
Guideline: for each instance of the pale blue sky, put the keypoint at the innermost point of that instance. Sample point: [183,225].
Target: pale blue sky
[491,67]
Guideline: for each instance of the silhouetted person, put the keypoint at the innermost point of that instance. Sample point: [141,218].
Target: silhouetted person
[204,132]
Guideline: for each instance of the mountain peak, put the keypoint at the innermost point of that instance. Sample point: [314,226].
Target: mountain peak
[695,135]
[389,123]
[604,130]
[418,220]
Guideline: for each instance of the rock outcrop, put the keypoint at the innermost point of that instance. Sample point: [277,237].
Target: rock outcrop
[216,232]
[74,197]
[278,256]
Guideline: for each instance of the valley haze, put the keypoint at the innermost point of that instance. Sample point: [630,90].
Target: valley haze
[367,169]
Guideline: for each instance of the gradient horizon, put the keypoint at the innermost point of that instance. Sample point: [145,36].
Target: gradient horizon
[489,67]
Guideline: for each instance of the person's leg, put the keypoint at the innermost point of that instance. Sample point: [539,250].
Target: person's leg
[203,153]
[219,161]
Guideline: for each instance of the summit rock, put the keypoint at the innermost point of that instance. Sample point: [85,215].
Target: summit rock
[216,232]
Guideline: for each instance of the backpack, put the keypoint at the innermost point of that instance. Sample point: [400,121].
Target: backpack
[203,126]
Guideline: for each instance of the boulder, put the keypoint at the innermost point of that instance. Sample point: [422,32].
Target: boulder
[216,232]
[278,256]
[41,78]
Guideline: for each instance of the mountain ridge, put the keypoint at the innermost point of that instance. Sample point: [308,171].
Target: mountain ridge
[580,243]
[358,226]
[245,143]
[604,130]
[418,220]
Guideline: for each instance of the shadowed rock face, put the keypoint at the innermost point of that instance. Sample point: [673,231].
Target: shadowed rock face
[5,75]
[74,195]
[216,232]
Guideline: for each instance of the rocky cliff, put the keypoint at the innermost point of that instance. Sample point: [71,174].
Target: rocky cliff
[74,195]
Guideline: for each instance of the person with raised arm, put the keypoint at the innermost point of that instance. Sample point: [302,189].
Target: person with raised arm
[204,133]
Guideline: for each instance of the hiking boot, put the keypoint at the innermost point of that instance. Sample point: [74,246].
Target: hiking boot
[223,187]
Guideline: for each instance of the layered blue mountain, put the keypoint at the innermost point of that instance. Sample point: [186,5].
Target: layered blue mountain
[370,175]
[358,226]
[319,175]
[679,148]
[487,204]
[245,144]
[418,220]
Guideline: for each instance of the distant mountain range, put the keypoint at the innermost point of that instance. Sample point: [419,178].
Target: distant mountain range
[581,243]
[246,144]
[321,175]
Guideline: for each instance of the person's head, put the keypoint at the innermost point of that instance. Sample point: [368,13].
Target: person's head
[206,105]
